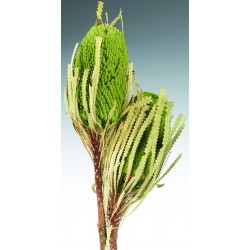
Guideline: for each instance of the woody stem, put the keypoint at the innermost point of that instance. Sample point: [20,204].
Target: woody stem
[114,233]
[115,221]
[98,182]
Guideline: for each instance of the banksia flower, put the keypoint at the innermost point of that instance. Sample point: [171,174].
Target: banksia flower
[111,90]
[128,140]
[98,75]
[135,155]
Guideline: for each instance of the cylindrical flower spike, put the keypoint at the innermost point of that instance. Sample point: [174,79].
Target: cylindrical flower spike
[111,88]
[100,64]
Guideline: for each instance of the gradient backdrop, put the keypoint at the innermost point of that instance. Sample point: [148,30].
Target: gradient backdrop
[156,33]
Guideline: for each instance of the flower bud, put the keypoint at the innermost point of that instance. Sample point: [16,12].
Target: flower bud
[111,89]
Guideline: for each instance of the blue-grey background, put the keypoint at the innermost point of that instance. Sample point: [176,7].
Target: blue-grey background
[156,33]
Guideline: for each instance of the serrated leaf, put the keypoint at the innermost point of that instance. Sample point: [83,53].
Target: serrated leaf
[169,169]
[99,12]
[128,84]
[132,122]
[137,141]
[139,122]
[84,91]
[95,78]
[116,19]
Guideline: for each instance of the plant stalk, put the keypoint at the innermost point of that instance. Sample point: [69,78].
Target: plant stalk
[98,182]
[114,236]
[115,221]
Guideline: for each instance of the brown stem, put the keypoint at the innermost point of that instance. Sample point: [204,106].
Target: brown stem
[115,221]
[114,236]
[98,182]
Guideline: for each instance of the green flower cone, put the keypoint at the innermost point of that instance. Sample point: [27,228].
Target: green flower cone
[97,85]
[111,88]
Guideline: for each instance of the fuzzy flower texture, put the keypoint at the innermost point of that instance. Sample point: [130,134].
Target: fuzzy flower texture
[128,135]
